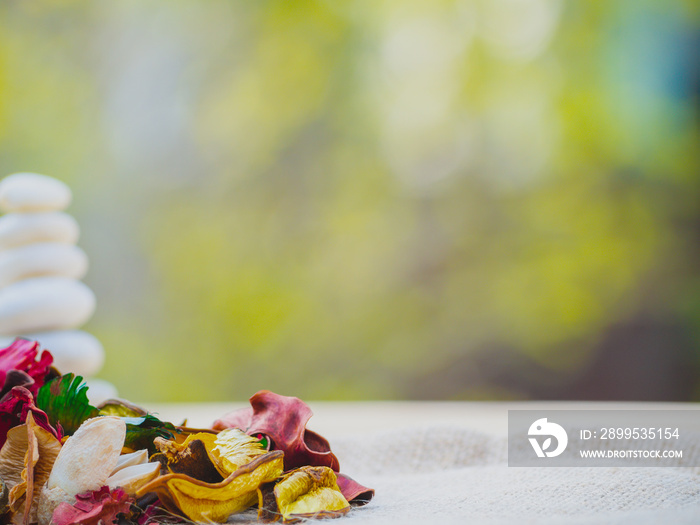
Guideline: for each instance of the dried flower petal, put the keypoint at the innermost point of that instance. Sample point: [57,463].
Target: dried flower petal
[133,458]
[92,508]
[4,500]
[239,418]
[355,493]
[121,408]
[307,492]
[191,457]
[89,456]
[233,448]
[84,463]
[283,419]
[142,431]
[132,478]
[21,355]
[16,378]
[65,401]
[26,460]
[14,407]
[201,501]
[12,455]
[183,432]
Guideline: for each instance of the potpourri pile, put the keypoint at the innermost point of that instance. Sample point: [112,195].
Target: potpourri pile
[64,462]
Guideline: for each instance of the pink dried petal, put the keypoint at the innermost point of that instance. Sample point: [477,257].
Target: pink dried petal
[237,419]
[14,407]
[16,378]
[283,419]
[93,508]
[21,355]
[354,492]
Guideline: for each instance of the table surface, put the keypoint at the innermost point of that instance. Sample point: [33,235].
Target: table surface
[348,418]
[417,482]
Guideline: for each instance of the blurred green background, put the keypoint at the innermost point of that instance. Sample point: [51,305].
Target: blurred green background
[494,199]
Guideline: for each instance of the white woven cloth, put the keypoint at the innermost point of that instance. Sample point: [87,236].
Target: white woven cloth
[428,465]
[456,475]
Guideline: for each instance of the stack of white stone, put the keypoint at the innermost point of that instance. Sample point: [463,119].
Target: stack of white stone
[41,296]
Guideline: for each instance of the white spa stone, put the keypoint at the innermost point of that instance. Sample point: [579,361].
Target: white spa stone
[44,303]
[72,350]
[18,229]
[31,192]
[46,258]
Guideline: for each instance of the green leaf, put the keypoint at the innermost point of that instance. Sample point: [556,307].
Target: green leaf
[65,401]
[141,431]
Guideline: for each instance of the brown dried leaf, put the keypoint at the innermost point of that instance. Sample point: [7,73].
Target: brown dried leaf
[26,461]
[4,501]
[12,455]
[191,457]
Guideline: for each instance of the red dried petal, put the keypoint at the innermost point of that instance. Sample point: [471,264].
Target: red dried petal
[14,407]
[354,492]
[283,419]
[237,419]
[16,378]
[21,355]
[93,508]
